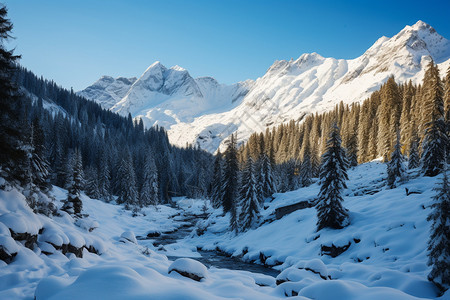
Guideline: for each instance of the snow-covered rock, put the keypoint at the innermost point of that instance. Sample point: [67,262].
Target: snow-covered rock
[190,268]
[128,236]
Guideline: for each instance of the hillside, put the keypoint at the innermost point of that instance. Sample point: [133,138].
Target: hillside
[386,257]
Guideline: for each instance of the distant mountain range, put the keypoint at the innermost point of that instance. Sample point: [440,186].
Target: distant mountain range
[203,112]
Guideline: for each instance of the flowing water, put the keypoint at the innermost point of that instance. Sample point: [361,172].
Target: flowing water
[208,258]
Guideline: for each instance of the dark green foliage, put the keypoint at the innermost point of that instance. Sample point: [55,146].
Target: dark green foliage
[333,173]
[249,197]
[73,205]
[395,167]
[439,241]
[11,151]
[230,177]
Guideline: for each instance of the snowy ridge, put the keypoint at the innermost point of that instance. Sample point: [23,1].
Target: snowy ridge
[201,111]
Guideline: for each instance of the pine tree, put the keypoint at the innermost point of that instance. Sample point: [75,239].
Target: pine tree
[149,190]
[395,167]
[330,212]
[250,202]
[414,160]
[91,183]
[104,179]
[230,178]
[439,241]
[126,185]
[436,140]
[11,131]
[266,177]
[73,205]
[217,189]
[447,110]
[39,163]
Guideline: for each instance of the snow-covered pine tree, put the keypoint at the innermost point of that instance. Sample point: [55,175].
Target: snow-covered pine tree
[447,109]
[333,173]
[91,183]
[39,164]
[217,188]
[230,177]
[414,160]
[439,241]
[436,140]
[10,129]
[266,177]
[73,205]
[306,167]
[395,167]
[104,178]
[249,197]
[126,185]
[149,190]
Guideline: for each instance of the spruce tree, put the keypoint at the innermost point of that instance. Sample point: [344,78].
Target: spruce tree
[149,190]
[73,205]
[306,166]
[230,178]
[435,141]
[11,150]
[395,167]
[126,186]
[266,177]
[249,199]
[104,176]
[439,241]
[330,212]
[91,183]
[217,181]
[414,160]
[39,164]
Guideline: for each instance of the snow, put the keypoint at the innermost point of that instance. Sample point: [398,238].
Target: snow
[202,111]
[386,258]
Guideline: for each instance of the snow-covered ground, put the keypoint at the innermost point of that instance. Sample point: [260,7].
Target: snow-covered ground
[386,255]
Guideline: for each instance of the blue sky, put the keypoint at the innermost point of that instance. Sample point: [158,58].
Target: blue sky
[75,42]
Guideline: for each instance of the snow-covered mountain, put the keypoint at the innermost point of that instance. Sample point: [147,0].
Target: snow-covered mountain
[206,113]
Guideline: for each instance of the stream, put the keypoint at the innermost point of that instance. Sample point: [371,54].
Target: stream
[208,258]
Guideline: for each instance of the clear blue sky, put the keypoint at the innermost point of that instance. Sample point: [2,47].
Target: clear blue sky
[75,42]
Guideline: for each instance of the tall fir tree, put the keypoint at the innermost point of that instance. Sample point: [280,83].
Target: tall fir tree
[217,182]
[11,150]
[126,185]
[39,164]
[330,212]
[306,167]
[249,197]
[435,140]
[149,191]
[439,241]
[414,159]
[91,186]
[266,176]
[395,167]
[230,178]
[73,205]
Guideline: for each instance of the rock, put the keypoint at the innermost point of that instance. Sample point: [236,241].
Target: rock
[153,234]
[128,236]
[333,250]
[189,268]
[8,249]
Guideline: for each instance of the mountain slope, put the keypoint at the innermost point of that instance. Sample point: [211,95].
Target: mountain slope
[206,114]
